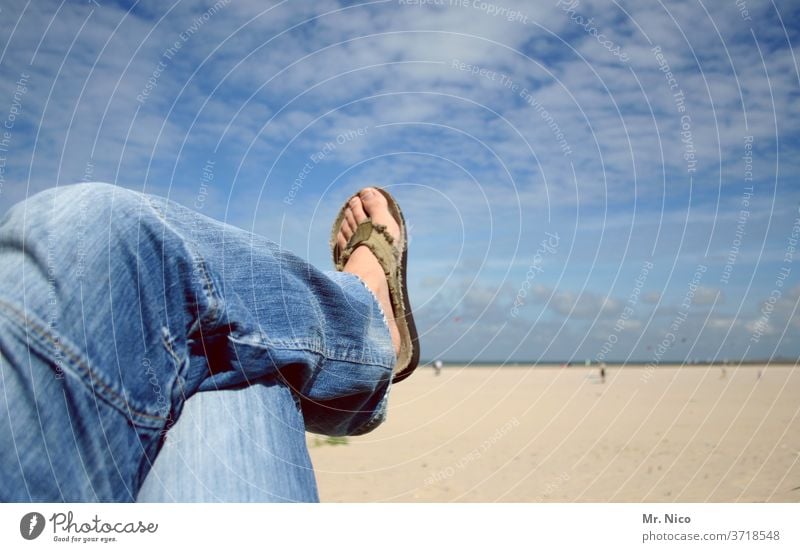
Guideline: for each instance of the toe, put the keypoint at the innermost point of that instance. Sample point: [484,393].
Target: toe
[344,234]
[376,206]
[372,200]
[358,210]
[344,229]
[350,219]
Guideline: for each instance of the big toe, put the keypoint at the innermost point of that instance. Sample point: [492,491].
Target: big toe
[377,208]
[372,200]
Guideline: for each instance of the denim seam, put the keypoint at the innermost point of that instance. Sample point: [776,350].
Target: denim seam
[309,346]
[199,263]
[103,389]
[209,289]
[169,345]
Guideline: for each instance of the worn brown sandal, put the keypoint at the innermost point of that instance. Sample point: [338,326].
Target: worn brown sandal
[392,255]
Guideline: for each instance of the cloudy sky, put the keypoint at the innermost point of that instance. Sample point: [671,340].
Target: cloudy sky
[609,180]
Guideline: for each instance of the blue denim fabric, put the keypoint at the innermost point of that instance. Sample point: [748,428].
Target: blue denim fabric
[234,445]
[116,307]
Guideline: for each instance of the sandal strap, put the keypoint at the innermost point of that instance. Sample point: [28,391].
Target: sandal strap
[378,240]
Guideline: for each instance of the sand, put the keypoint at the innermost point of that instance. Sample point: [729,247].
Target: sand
[539,434]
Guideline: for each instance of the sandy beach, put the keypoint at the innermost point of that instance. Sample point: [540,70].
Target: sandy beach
[489,434]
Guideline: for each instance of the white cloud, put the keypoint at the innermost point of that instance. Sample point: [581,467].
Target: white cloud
[705,295]
[480,171]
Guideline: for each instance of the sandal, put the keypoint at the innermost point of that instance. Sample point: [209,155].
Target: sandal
[393,258]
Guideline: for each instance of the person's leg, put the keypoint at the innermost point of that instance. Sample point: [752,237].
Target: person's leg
[115,307]
[88,376]
[248,444]
[235,445]
[322,333]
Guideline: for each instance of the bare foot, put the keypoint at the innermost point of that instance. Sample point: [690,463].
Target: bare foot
[370,203]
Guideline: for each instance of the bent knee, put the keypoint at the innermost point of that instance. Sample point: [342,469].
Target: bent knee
[65,231]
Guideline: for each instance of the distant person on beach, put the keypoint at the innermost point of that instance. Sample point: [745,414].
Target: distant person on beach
[124,315]
[437,367]
[603,372]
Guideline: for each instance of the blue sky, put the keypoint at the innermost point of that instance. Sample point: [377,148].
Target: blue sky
[581,179]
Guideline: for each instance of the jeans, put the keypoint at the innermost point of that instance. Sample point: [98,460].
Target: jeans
[234,445]
[118,308]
